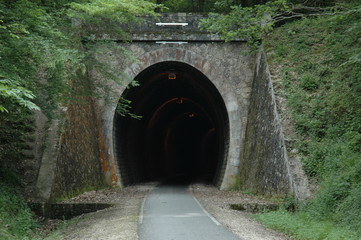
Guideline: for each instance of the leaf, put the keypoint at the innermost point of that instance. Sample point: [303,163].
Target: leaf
[11,90]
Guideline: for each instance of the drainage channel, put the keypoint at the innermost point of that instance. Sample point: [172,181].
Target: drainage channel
[66,210]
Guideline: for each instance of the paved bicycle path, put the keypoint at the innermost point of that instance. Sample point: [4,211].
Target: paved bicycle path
[171,212]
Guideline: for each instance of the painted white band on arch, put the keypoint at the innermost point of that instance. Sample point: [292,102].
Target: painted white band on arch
[170,42]
[172,24]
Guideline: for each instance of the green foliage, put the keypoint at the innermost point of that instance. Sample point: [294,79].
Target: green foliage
[9,178]
[43,65]
[124,11]
[308,82]
[349,210]
[41,51]
[304,226]
[14,129]
[123,109]
[315,3]
[226,5]
[106,15]
[177,6]
[245,23]
[42,61]
[186,5]
[252,20]
[13,92]
[36,55]
[205,5]
[320,65]
[16,221]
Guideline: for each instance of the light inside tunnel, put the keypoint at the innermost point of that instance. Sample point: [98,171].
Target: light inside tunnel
[183,130]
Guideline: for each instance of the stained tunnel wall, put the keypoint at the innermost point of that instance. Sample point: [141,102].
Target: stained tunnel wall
[224,66]
[244,83]
[235,76]
[265,168]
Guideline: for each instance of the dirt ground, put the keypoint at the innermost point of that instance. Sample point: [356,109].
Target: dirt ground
[217,203]
[121,221]
[114,223]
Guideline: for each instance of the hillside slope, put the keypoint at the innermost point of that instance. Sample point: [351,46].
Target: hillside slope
[316,66]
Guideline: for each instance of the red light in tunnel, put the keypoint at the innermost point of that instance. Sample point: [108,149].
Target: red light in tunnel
[172,75]
[179,100]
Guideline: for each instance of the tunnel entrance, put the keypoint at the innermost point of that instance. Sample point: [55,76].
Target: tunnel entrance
[183,130]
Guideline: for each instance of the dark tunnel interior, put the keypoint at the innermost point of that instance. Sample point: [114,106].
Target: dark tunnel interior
[183,130]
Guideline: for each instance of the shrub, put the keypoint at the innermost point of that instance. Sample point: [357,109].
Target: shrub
[16,219]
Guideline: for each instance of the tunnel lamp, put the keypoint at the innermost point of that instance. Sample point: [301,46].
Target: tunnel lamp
[191,115]
[172,75]
[180,100]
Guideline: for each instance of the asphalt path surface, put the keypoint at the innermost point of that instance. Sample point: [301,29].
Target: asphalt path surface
[171,212]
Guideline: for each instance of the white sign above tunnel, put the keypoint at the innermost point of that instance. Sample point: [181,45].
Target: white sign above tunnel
[171,24]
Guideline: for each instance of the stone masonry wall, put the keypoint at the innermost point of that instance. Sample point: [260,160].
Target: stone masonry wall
[225,64]
[79,152]
[78,165]
[264,163]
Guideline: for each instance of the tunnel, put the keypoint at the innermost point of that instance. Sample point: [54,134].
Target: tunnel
[181,129]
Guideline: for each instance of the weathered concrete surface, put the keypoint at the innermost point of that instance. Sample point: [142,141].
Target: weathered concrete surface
[265,166]
[78,165]
[48,160]
[82,154]
[148,30]
[70,161]
[225,65]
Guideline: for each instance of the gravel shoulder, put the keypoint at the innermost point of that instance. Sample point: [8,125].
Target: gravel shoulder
[218,202]
[114,223]
[121,221]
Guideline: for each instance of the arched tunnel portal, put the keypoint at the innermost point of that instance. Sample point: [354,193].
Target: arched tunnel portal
[207,109]
[183,130]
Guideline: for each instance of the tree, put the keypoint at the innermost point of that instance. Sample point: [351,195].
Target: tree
[40,51]
[248,23]
[254,22]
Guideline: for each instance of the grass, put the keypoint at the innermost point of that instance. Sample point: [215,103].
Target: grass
[58,232]
[16,219]
[319,62]
[304,227]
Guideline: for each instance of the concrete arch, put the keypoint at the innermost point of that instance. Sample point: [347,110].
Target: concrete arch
[210,68]
[257,155]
